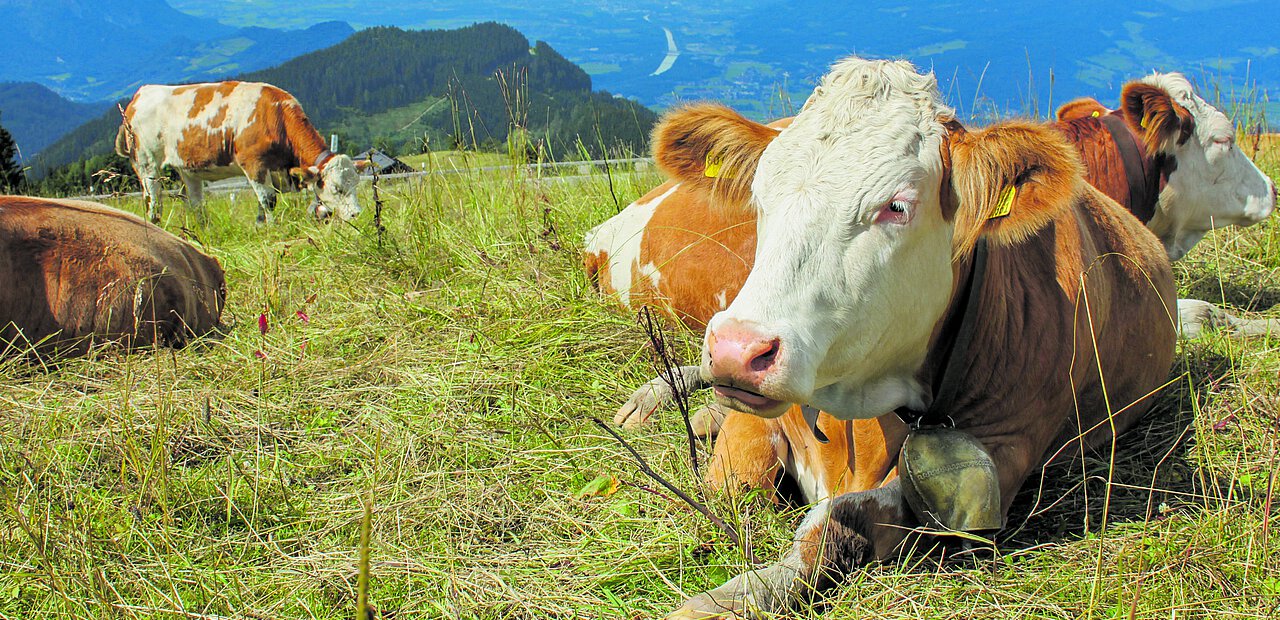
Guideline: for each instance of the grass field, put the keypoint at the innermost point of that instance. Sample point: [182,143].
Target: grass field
[447,379]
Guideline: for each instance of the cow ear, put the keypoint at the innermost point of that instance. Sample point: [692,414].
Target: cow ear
[1084,107]
[713,149]
[1153,114]
[364,164]
[1009,181]
[307,176]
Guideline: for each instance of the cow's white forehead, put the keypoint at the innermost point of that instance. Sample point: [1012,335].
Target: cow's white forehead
[864,116]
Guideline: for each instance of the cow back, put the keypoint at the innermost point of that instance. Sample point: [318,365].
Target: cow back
[82,272]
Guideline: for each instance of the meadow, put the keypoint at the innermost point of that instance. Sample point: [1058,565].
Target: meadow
[426,397]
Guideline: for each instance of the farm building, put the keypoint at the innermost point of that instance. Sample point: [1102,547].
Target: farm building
[382,163]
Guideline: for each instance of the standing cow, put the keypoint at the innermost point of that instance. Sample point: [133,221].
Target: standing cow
[79,273]
[221,130]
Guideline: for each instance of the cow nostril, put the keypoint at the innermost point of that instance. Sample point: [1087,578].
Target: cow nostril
[765,356]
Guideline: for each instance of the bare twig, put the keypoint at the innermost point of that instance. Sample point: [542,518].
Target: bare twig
[668,371]
[377,210]
[724,526]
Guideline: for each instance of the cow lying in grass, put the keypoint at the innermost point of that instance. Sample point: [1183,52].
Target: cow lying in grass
[80,273]
[870,208]
[227,129]
[671,248]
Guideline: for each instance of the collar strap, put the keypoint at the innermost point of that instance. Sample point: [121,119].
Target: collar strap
[957,333]
[1135,172]
[323,157]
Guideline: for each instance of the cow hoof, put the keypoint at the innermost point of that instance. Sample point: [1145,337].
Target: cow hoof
[644,403]
[704,607]
[706,422]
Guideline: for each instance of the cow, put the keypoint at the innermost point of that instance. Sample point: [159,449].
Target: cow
[224,129]
[81,273]
[872,208]
[694,257]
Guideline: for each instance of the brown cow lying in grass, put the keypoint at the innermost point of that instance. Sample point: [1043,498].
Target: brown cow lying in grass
[871,206]
[81,273]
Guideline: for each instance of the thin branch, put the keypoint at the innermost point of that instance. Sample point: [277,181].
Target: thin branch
[668,371]
[725,527]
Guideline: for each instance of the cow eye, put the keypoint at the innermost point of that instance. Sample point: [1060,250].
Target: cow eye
[896,212]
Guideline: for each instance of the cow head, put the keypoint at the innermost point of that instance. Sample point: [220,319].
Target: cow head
[1211,182]
[864,202]
[335,183]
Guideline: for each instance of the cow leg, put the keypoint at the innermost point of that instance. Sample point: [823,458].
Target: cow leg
[749,453]
[1196,317]
[266,200]
[153,196]
[836,537]
[195,195]
[655,395]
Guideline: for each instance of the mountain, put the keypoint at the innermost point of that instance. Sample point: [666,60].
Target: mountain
[398,89]
[764,56]
[104,49]
[36,116]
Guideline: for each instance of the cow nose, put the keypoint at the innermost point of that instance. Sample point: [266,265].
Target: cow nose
[742,354]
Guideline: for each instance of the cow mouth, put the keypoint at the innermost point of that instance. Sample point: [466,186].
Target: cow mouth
[747,401]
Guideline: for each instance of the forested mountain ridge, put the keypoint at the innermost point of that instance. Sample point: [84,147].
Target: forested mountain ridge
[37,116]
[407,90]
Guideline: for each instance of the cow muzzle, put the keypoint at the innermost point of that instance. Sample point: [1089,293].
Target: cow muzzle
[741,361]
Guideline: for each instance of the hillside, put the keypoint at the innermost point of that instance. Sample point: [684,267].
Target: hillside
[992,56]
[36,116]
[104,49]
[397,88]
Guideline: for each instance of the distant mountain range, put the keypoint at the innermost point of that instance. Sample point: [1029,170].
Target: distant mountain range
[403,90]
[763,56]
[36,116]
[101,50]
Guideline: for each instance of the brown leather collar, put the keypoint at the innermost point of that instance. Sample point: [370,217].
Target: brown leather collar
[1135,170]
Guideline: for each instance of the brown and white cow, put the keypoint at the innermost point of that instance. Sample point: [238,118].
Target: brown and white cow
[696,255]
[870,206]
[224,129]
[80,273]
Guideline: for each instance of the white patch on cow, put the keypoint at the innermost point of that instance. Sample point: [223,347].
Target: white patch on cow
[812,481]
[619,237]
[650,270]
[722,298]
[814,518]
[1215,183]
[851,300]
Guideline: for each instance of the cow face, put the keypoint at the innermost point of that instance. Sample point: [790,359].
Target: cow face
[857,229]
[1211,182]
[335,186]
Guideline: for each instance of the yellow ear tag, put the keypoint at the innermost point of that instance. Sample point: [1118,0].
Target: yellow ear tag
[1096,114]
[1004,204]
[711,167]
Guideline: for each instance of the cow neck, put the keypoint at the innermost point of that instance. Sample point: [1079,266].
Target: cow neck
[1137,172]
[955,336]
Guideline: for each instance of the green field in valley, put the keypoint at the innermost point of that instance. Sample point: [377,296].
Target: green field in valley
[446,379]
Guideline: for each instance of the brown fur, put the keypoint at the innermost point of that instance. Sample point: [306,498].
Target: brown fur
[685,138]
[80,273]
[1038,162]
[1086,107]
[1155,116]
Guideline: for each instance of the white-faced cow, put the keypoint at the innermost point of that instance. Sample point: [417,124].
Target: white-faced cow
[81,273]
[675,250]
[870,207]
[225,129]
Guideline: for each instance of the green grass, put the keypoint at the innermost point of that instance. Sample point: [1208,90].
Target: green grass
[450,375]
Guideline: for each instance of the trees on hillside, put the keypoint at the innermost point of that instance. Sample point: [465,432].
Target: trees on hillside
[10,168]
